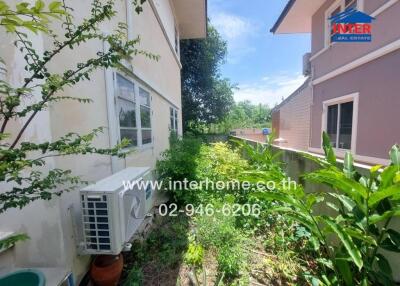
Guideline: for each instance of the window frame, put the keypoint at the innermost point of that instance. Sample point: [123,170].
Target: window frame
[354,97]
[329,11]
[131,100]
[140,118]
[174,118]
[138,105]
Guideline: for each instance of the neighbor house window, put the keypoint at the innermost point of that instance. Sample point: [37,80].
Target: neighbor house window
[332,14]
[173,116]
[336,8]
[350,4]
[145,116]
[126,107]
[340,123]
[339,118]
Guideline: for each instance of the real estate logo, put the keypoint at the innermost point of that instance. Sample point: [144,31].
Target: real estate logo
[351,26]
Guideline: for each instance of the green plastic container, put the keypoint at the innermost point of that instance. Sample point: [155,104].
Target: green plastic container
[25,277]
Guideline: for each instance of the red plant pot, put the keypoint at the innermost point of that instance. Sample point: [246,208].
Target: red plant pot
[106,269]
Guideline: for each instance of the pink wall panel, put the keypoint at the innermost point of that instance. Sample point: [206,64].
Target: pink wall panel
[295,121]
[378,84]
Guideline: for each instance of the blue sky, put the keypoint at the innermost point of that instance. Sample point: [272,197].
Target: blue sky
[266,67]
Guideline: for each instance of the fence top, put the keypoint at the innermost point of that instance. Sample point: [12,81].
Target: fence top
[299,152]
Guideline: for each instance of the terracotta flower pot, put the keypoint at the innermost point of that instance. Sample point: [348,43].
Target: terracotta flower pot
[106,269]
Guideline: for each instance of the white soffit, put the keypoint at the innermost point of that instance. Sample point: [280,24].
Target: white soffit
[297,16]
[192,18]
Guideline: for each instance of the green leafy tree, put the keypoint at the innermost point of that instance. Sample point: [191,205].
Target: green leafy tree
[206,97]
[21,163]
[244,114]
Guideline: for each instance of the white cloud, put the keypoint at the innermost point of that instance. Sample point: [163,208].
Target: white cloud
[231,27]
[237,32]
[270,89]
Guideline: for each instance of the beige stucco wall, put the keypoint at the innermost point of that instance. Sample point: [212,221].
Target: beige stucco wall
[41,219]
[165,10]
[51,224]
[294,120]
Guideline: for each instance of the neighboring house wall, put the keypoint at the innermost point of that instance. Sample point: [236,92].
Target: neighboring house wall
[328,58]
[50,225]
[378,86]
[294,124]
[255,134]
[367,70]
[366,74]
[363,73]
[276,121]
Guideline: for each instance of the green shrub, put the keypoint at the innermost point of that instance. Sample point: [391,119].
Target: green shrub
[218,232]
[219,162]
[135,277]
[230,260]
[188,158]
[194,254]
[264,165]
[178,163]
[353,235]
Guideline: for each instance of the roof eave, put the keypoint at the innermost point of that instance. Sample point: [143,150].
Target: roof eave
[282,16]
[192,18]
[296,17]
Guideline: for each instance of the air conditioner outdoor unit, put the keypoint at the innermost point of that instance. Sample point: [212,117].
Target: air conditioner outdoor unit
[112,213]
[306,64]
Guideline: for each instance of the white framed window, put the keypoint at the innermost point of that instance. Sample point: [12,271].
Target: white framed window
[173,117]
[337,7]
[133,105]
[339,121]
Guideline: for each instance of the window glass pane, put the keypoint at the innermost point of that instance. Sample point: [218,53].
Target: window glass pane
[172,123]
[332,123]
[145,117]
[350,4]
[171,118]
[126,113]
[176,119]
[131,135]
[346,125]
[336,11]
[125,87]
[146,136]
[144,97]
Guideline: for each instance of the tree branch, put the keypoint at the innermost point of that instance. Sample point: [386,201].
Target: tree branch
[45,100]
